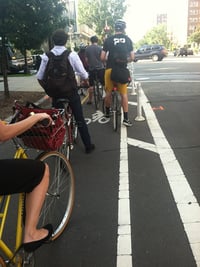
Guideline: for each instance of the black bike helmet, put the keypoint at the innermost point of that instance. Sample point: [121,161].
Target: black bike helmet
[120,25]
[82,46]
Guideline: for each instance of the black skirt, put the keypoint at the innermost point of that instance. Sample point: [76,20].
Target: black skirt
[20,175]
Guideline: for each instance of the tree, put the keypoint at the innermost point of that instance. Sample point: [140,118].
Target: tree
[98,14]
[157,35]
[27,23]
[195,36]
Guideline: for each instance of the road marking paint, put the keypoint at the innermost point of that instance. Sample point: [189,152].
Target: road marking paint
[124,247]
[186,202]
[158,108]
[141,144]
[171,81]
[132,103]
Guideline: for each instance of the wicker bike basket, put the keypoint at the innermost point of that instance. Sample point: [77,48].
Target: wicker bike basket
[39,136]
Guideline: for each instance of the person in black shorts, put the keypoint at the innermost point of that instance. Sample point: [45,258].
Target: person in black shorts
[28,176]
[111,47]
[95,65]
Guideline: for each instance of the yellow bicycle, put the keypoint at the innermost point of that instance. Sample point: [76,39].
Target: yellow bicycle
[57,207]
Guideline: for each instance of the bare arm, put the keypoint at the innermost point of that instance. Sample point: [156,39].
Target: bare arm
[131,56]
[103,56]
[8,131]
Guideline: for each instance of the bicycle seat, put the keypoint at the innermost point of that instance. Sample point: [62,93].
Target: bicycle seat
[62,100]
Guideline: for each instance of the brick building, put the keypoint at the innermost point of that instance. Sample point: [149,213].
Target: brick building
[193,16]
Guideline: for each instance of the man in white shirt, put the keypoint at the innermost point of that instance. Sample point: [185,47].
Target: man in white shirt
[60,38]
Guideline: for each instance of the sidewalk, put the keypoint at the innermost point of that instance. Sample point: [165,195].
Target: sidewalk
[26,83]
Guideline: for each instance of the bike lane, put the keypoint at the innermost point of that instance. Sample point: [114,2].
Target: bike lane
[90,239]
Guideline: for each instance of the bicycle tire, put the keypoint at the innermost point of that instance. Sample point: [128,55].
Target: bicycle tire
[28,260]
[98,94]
[74,127]
[65,147]
[2,262]
[103,106]
[59,199]
[70,139]
[115,108]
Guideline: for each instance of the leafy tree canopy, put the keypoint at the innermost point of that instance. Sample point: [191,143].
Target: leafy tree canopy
[157,35]
[99,13]
[27,23]
[195,36]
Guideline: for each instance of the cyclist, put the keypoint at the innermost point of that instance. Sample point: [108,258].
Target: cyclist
[81,54]
[60,38]
[29,176]
[96,67]
[108,55]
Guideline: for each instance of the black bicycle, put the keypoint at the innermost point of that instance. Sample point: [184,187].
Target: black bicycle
[98,91]
[115,108]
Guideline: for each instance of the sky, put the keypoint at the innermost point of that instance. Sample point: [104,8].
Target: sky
[141,17]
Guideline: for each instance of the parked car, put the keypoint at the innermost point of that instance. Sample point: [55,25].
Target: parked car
[190,52]
[16,62]
[183,52]
[155,52]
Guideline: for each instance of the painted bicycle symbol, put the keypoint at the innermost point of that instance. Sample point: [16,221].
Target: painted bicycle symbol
[98,116]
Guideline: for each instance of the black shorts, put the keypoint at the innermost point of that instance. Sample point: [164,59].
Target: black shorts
[20,175]
[100,75]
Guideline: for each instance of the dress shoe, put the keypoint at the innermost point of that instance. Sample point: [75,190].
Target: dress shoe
[89,149]
[32,246]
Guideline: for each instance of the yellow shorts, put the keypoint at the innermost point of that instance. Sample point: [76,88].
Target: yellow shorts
[109,84]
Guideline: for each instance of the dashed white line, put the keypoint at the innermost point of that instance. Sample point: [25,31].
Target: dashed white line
[124,246]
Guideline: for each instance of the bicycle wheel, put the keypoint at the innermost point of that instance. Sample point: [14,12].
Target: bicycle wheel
[28,260]
[115,104]
[74,127]
[65,148]
[59,200]
[2,262]
[98,93]
[70,139]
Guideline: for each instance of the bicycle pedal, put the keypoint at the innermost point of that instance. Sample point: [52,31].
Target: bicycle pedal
[28,259]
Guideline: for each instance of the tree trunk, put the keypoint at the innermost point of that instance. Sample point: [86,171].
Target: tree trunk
[26,69]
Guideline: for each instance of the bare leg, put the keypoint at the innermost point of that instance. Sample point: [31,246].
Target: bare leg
[124,101]
[34,202]
[108,99]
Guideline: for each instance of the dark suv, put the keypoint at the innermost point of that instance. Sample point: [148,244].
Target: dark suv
[155,52]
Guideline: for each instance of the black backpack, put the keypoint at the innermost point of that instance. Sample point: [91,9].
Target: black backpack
[120,53]
[120,72]
[59,77]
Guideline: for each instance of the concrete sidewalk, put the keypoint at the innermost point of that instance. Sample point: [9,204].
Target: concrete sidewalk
[26,83]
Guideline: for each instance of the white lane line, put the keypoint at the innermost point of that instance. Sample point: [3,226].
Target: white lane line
[142,144]
[185,200]
[124,246]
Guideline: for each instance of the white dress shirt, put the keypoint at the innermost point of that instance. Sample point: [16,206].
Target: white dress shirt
[73,59]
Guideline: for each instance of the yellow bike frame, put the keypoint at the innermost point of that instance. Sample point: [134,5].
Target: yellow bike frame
[20,153]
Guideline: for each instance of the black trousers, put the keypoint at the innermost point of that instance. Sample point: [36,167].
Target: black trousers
[75,104]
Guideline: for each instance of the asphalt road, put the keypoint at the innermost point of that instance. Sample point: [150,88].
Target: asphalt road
[137,195]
